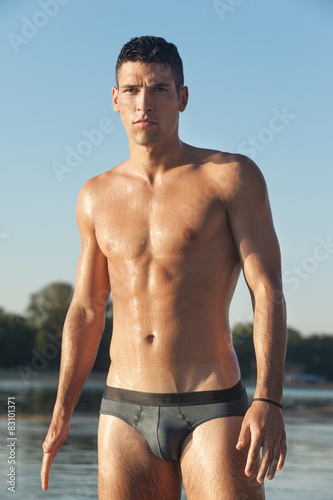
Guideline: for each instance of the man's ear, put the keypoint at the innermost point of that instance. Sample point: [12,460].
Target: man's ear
[183,98]
[115,99]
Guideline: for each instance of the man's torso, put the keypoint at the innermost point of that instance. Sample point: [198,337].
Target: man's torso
[173,266]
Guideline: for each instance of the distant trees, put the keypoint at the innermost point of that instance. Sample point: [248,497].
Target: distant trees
[102,362]
[46,313]
[243,343]
[312,354]
[317,352]
[16,339]
[33,343]
[294,353]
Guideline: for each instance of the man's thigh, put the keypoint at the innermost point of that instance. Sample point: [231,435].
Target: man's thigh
[128,469]
[211,466]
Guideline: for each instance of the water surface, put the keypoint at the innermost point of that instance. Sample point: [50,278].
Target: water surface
[307,474]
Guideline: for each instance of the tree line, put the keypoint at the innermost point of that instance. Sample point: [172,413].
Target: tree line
[32,343]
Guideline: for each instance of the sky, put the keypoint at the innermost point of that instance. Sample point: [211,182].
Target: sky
[260,79]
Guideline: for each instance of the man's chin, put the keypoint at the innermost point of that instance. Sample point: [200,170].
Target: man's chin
[145,140]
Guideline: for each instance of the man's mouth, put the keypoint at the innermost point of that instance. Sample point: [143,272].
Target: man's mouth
[144,122]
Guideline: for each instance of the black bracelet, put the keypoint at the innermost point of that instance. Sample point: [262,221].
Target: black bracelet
[268,401]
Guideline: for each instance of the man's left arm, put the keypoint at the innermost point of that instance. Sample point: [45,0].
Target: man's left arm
[251,223]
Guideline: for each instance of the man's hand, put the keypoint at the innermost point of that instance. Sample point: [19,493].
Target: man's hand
[263,423]
[55,438]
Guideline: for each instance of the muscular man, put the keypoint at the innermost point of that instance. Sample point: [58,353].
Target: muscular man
[168,231]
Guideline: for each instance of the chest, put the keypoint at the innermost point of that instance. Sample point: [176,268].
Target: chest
[176,219]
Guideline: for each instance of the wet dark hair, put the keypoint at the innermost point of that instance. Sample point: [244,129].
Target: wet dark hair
[152,49]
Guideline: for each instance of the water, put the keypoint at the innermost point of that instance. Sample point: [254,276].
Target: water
[73,474]
[307,474]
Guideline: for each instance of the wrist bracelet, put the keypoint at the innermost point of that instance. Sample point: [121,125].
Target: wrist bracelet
[268,401]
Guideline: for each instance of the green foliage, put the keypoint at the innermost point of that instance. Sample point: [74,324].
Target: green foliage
[50,305]
[33,344]
[312,354]
[102,361]
[37,338]
[295,340]
[16,339]
[46,312]
[318,355]
[243,344]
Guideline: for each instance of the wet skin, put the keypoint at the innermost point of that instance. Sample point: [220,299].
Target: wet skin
[168,231]
[163,242]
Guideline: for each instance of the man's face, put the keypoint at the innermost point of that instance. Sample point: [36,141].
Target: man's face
[148,102]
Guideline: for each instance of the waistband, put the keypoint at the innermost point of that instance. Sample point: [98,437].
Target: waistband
[174,398]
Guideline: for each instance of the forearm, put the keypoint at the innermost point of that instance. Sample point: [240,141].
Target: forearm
[263,426]
[80,340]
[270,341]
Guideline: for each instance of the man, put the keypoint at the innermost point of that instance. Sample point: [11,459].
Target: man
[168,231]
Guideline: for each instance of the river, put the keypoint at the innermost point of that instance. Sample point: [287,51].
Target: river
[307,474]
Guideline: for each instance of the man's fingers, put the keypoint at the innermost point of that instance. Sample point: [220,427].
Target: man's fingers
[244,436]
[283,453]
[46,465]
[252,455]
[267,454]
[56,436]
[269,462]
[267,431]
[274,462]
[273,457]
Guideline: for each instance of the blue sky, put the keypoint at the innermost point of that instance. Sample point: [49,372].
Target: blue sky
[260,77]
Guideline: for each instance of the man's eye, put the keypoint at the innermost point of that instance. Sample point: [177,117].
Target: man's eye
[160,89]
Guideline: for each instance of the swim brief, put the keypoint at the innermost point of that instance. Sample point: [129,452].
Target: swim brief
[166,419]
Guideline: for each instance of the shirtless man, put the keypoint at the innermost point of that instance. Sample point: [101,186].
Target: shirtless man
[168,231]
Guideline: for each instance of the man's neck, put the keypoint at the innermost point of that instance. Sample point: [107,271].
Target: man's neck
[151,162]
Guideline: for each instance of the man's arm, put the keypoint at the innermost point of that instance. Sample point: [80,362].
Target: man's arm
[251,223]
[82,330]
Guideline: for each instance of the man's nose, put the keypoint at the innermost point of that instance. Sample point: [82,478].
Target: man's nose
[144,102]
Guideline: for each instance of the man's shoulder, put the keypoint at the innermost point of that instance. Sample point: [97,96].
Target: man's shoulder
[230,168]
[101,182]
[96,188]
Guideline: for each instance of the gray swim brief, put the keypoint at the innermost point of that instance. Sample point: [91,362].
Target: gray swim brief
[166,419]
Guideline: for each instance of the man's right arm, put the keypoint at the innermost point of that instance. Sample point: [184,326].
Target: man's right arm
[82,330]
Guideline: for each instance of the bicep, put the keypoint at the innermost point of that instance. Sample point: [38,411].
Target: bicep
[92,287]
[252,226]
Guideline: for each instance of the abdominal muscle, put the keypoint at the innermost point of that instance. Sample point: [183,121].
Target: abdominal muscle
[172,337]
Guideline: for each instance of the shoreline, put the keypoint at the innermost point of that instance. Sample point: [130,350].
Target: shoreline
[35,399]
[100,377]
